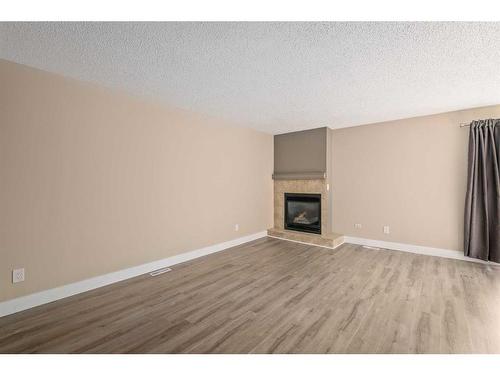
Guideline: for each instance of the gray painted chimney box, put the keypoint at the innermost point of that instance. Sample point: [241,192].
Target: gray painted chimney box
[301,155]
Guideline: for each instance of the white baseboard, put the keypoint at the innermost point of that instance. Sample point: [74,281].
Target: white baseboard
[40,298]
[432,251]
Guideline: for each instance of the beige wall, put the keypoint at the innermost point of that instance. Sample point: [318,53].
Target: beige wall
[94,181]
[409,174]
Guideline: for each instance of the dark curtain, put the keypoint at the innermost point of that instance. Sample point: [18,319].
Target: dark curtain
[482,202]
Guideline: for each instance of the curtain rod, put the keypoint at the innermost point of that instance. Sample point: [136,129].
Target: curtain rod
[465,124]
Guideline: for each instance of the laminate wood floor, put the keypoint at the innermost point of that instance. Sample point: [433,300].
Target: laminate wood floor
[274,296]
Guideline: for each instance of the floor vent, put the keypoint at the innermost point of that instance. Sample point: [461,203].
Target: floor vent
[371,247]
[160,271]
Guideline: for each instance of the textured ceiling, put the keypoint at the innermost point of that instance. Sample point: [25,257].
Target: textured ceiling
[276,77]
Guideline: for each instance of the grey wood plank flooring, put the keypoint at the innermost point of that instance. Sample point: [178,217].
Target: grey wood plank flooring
[274,296]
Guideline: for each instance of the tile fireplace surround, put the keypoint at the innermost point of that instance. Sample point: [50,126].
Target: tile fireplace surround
[317,186]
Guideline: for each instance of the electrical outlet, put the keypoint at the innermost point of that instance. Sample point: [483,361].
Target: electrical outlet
[358,226]
[17,275]
[236,227]
[386,229]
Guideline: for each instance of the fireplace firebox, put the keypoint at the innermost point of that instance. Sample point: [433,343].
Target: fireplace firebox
[303,212]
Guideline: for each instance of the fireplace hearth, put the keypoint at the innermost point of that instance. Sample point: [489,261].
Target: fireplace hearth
[303,212]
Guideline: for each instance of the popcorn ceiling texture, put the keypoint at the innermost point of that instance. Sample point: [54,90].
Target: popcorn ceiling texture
[276,77]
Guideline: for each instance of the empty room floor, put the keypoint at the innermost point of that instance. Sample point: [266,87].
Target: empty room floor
[274,296]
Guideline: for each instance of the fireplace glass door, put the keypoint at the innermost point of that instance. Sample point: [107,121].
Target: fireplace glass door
[303,212]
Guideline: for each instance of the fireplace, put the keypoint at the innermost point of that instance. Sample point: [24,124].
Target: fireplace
[303,212]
